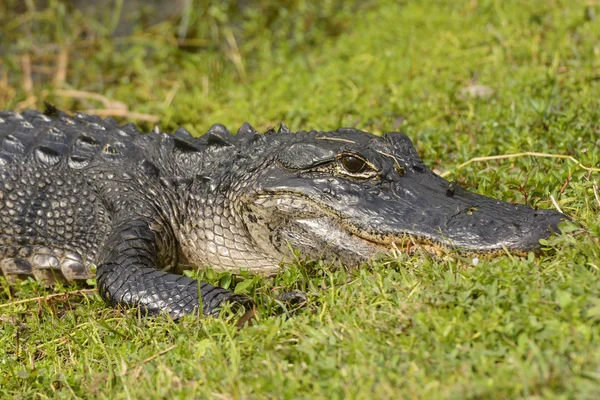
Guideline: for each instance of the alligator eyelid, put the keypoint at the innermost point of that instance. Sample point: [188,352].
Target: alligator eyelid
[308,168]
[324,162]
[357,155]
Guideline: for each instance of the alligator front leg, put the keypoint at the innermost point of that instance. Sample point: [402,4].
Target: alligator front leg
[126,276]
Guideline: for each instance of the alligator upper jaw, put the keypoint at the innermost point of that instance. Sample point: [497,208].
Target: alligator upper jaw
[424,211]
[412,216]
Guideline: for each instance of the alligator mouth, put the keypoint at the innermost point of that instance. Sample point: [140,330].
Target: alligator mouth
[465,223]
[482,225]
[440,242]
[410,244]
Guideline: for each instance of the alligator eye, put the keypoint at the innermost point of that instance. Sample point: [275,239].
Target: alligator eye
[353,164]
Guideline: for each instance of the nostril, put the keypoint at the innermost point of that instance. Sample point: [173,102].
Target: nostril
[419,167]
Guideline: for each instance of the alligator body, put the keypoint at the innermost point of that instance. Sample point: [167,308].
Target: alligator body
[77,192]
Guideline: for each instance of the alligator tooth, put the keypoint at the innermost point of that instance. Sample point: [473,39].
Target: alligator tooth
[219,129]
[111,122]
[182,132]
[121,133]
[183,145]
[130,128]
[246,129]
[283,128]
[215,139]
[217,134]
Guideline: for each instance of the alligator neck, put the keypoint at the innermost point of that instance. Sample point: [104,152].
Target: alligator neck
[212,232]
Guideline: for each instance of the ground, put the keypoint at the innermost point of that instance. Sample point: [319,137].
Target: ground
[463,79]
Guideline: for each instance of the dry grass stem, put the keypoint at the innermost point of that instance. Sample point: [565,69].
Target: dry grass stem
[147,360]
[50,296]
[123,113]
[80,94]
[62,63]
[519,155]
[555,203]
[26,71]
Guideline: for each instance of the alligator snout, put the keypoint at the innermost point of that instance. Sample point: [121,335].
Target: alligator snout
[494,225]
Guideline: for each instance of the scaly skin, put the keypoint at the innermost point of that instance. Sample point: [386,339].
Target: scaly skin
[82,191]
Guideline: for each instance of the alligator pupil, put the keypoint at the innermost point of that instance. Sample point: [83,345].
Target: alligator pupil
[353,164]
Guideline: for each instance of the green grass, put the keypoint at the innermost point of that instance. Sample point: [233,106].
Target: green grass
[411,327]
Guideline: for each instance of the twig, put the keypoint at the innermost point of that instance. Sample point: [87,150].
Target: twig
[61,67]
[193,42]
[80,94]
[4,77]
[205,85]
[113,108]
[247,318]
[26,68]
[234,54]
[28,102]
[115,112]
[48,297]
[564,186]
[524,154]
[147,360]
[171,95]
[555,204]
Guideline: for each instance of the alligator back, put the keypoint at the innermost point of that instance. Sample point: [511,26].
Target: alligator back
[52,174]
[77,142]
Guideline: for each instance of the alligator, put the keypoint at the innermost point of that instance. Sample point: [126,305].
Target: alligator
[81,195]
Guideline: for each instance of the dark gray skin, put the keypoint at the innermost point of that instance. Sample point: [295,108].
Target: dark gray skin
[82,191]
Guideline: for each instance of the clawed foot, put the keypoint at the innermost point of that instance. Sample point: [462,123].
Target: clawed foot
[294,298]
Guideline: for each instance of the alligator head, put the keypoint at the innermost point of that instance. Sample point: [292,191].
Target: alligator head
[348,195]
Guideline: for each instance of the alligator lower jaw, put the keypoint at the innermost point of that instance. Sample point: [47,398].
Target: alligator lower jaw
[409,244]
